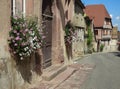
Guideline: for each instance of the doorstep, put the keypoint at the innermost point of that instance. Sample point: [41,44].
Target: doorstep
[52,71]
[62,77]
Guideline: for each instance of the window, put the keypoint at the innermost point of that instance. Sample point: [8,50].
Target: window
[66,14]
[96,32]
[104,32]
[107,21]
[18,7]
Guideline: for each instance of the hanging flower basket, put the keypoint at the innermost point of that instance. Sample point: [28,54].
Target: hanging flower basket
[25,36]
[69,33]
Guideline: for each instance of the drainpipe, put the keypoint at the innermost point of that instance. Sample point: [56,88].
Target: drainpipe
[13,7]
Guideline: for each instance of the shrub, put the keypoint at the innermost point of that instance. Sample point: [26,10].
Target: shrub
[101,47]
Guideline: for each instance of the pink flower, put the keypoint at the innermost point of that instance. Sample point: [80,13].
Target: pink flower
[31,29]
[21,30]
[15,31]
[11,37]
[26,30]
[14,52]
[18,34]
[23,44]
[23,34]
[16,44]
[17,38]
[43,37]
[16,17]
[13,41]
[10,28]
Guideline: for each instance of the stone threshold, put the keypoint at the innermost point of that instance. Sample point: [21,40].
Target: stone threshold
[52,71]
[62,77]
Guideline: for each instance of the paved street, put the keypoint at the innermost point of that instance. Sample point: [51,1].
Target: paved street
[96,71]
[106,74]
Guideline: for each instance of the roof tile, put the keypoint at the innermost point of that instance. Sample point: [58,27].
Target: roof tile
[98,13]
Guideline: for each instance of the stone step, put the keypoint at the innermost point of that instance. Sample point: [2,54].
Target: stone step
[52,71]
[62,77]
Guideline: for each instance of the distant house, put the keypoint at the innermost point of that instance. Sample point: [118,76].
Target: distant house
[118,34]
[114,40]
[102,24]
[118,43]
[114,33]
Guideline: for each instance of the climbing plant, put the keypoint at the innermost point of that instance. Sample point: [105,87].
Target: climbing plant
[89,35]
[89,38]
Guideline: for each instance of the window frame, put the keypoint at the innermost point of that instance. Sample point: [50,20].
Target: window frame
[13,3]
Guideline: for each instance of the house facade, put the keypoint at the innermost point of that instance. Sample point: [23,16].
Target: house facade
[20,75]
[68,11]
[102,24]
[114,33]
[5,61]
[15,75]
[118,43]
[78,45]
[54,14]
[114,40]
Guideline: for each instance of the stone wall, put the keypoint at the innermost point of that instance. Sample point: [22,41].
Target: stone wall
[14,74]
[78,44]
[58,44]
[5,64]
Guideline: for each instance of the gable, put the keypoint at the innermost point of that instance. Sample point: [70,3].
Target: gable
[97,13]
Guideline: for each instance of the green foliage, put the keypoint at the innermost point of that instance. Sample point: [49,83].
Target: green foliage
[101,47]
[89,38]
[69,33]
[93,50]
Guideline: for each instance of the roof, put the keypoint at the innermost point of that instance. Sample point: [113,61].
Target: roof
[98,13]
[80,3]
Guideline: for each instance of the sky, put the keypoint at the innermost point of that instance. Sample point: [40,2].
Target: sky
[112,6]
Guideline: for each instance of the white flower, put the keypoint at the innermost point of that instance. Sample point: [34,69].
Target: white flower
[34,38]
[38,46]
[25,49]
[30,51]
[32,33]
[20,54]
[21,58]
[34,47]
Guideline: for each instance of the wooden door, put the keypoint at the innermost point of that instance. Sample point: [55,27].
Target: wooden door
[47,21]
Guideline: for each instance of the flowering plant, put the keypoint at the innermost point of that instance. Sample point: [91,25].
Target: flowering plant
[25,37]
[69,33]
